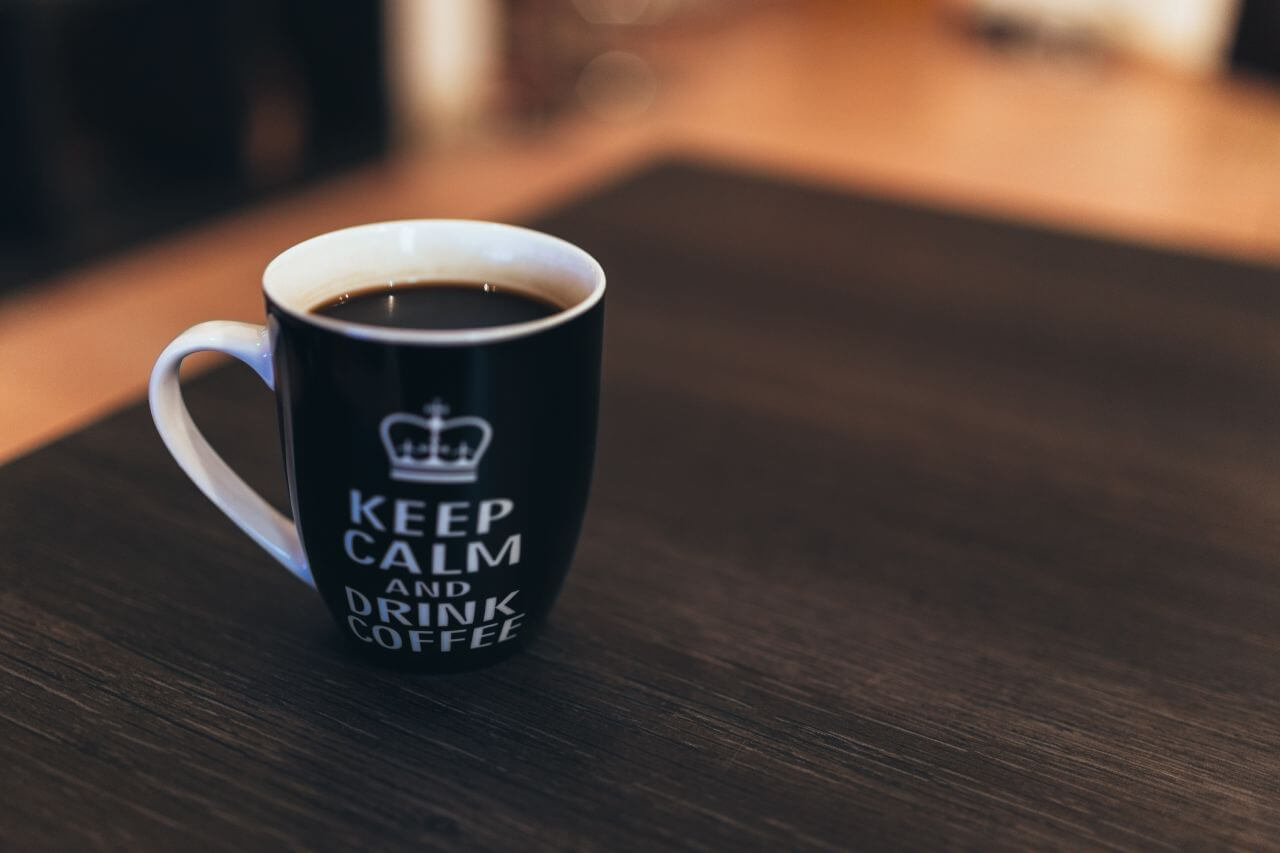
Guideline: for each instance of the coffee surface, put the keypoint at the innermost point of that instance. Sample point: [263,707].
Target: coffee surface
[437,305]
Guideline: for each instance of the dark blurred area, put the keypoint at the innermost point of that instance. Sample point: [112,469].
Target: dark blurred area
[1256,42]
[129,117]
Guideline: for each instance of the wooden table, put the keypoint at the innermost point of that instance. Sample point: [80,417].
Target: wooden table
[909,530]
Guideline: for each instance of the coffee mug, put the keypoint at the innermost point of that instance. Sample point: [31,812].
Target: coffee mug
[426,563]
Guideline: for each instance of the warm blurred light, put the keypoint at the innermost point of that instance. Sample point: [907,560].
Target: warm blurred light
[612,11]
[1189,34]
[1192,35]
[617,86]
[442,61]
[637,12]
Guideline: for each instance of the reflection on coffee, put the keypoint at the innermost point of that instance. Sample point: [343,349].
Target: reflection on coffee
[437,305]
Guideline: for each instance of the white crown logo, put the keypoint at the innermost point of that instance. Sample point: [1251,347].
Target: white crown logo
[433,449]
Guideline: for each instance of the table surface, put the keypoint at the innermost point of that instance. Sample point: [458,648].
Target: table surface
[909,529]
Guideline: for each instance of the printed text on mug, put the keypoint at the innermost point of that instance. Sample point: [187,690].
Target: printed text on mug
[439,546]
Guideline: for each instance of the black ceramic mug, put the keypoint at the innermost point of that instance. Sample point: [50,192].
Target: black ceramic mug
[430,563]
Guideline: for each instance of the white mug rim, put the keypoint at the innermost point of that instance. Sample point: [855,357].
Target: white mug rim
[279,284]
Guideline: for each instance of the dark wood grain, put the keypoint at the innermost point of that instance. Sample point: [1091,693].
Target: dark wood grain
[910,530]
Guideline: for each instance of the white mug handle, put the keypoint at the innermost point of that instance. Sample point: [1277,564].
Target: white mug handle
[249,343]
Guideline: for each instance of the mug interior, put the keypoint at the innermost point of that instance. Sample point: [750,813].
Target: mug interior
[320,270]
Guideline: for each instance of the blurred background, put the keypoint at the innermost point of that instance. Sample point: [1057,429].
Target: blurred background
[156,155]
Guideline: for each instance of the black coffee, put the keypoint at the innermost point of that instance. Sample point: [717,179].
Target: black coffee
[437,305]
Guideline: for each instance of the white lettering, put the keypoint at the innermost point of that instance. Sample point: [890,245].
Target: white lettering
[399,554]
[448,613]
[417,637]
[352,622]
[448,638]
[438,561]
[509,628]
[357,602]
[476,551]
[386,637]
[389,607]
[491,511]
[405,515]
[445,518]
[349,545]
[363,509]
[492,607]
[480,634]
